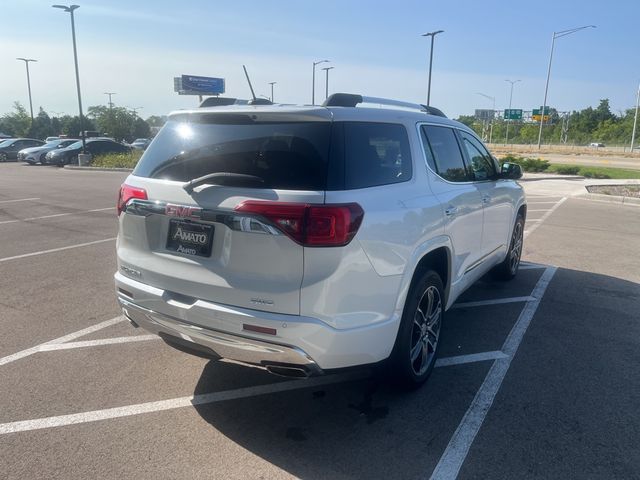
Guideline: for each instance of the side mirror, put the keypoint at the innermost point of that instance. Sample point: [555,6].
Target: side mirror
[512,171]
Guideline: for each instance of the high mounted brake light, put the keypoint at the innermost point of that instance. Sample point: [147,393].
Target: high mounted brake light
[127,192]
[332,225]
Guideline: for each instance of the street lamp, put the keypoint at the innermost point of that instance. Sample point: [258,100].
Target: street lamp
[512,82]
[555,35]
[26,63]
[493,99]
[433,36]
[70,9]
[635,120]
[326,83]
[313,81]
[110,102]
[272,84]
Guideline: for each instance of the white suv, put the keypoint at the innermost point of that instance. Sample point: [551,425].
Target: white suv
[305,239]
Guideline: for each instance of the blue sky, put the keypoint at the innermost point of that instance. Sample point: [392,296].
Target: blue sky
[136,48]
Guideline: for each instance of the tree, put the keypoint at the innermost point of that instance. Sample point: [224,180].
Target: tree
[118,122]
[156,120]
[16,123]
[41,127]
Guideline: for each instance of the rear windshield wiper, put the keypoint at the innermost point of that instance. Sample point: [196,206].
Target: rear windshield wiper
[224,178]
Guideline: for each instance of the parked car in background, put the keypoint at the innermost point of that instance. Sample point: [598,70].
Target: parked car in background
[95,146]
[9,148]
[140,143]
[48,139]
[596,145]
[37,154]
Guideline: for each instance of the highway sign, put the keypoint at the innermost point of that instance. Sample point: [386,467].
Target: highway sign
[513,114]
[536,117]
[536,111]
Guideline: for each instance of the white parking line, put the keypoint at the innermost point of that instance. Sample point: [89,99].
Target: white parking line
[55,215]
[20,200]
[180,402]
[63,339]
[470,358]
[495,301]
[96,343]
[188,401]
[52,250]
[544,217]
[456,452]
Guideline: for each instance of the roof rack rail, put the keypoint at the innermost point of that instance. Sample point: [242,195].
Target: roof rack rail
[352,100]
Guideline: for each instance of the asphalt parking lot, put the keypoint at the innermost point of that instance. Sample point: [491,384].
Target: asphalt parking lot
[537,378]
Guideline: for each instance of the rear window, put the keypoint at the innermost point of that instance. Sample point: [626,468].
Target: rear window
[284,155]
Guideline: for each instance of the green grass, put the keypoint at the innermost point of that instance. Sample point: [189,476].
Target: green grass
[117,160]
[594,172]
[537,165]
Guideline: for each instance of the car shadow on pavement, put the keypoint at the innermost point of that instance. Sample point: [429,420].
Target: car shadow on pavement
[367,429]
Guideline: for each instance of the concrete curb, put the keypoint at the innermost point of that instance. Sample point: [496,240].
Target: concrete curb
[98,169]
[611,198]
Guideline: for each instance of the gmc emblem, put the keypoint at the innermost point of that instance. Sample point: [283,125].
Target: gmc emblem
[183,211]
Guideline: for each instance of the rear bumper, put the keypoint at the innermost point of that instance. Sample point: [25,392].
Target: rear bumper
[233,347]
[295,340]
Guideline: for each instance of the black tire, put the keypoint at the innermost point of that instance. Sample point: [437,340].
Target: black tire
[508,269]
[3,157]
[416,348]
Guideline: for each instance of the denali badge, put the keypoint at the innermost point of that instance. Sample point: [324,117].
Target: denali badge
[184,211]
[190,237]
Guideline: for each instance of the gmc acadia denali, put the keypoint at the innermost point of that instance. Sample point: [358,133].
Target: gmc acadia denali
[304,239]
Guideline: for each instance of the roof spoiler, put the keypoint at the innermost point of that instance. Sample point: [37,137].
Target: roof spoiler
[352,100]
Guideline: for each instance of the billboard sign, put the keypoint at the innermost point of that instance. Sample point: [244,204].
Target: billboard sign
[484,114]
[195,85]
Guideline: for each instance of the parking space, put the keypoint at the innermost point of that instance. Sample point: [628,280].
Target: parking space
[84,395]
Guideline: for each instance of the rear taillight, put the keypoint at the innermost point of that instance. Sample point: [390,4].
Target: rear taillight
[331,225]
[127,192]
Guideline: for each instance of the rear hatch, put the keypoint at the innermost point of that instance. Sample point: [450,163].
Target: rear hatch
[212,240]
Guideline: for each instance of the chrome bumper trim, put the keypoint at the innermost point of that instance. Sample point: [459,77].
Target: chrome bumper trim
[229,346]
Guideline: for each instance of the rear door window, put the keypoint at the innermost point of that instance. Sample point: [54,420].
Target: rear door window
[285,155]
[445,153]
[375,154]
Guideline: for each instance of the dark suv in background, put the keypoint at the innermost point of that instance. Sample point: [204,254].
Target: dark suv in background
[95,146]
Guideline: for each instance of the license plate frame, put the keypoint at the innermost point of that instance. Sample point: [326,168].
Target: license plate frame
[190,238]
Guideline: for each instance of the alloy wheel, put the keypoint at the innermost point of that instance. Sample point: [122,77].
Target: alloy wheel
[425,332]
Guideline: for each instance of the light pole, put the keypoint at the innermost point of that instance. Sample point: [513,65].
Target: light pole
[555,35]
[326,82]
[313,81]
[493,99]
[433,36]
[70,9]
[26,63]
[635,120]
[110,94]
[272,84]
[512,82]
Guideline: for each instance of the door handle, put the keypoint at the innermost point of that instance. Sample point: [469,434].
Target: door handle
[451,211]
[486,199]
